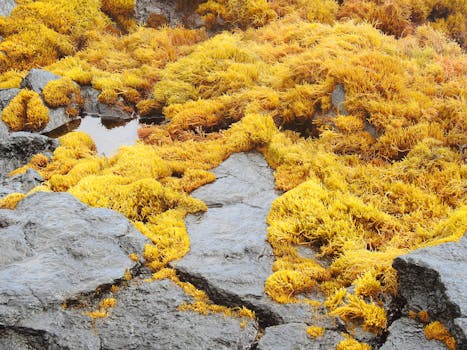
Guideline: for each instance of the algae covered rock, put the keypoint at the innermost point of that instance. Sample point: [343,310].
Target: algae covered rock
[171,12]
[229,256]
[434,279]
[406,333]
[37,79]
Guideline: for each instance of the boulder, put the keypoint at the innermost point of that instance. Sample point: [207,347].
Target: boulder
[17,149]
[57,118]
[171,12]
[229,257]
[6,6]
[37,79]
[293,336]
[406,333]
[434,279]
[107,113]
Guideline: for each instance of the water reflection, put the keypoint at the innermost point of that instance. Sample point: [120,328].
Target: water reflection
[108,136]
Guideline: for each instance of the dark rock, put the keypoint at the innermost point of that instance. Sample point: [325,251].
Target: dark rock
[54,248]
[6,6]
[293,336]
[406,333]
[148,316]
[37,79]
[57,118]
[107,113]
[338,99]
[171,12]
[434,279]
[229,256]
[17,149]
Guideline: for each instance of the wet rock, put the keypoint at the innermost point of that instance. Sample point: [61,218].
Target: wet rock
[145,317]
[57,118]
[108,113]
[148,316]
[229,256]
[6,6]
[172,12]
[406,333]
[54,248]
[17,149]
[434,279]
[293,336]
[37,79]
[338,99]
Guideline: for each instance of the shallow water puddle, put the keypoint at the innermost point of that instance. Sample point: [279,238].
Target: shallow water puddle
[108,136]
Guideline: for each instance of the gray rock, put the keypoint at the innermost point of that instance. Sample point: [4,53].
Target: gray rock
[406,333]
[293,336]
[55,248]
[57,118]
[338,99]
[229,256]
[145,317]
[149,317]
[21,183]
[108,113]
[37,79]
[17,149]
[434,279]
[6,6]
[171,10]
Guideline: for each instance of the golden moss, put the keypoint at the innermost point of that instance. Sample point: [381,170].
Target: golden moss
[26,112]
[10,201]
[351,344]
[61,92]
[315,331]
[437,331]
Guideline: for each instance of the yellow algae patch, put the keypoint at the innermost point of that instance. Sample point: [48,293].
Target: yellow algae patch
[351,344]
[60,92]
[26,112]
[436,330]
[315,331]
[10,201]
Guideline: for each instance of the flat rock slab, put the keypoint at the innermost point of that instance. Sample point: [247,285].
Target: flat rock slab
[230,258]
[55,248]
[293,336]
[406,333]
[434,279]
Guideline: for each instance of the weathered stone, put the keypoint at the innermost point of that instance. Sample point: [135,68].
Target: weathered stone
[37,79]
[6,6]
[55,248]
[172,12]
[57,118]
[434,279]
[145,317]
[293,336]
[17,149]
[338,99]
[21,183]
[406,333]
[113,113]
[229,256]
[90,96]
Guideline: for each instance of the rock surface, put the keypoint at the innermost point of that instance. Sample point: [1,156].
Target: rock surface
[172,12]
[406,333]
[293,336]
[17,149]
[434,279]
[338,99]
[6,6]
[37,79]
[21,183]
[229,257]
[55,250]
[107,113]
